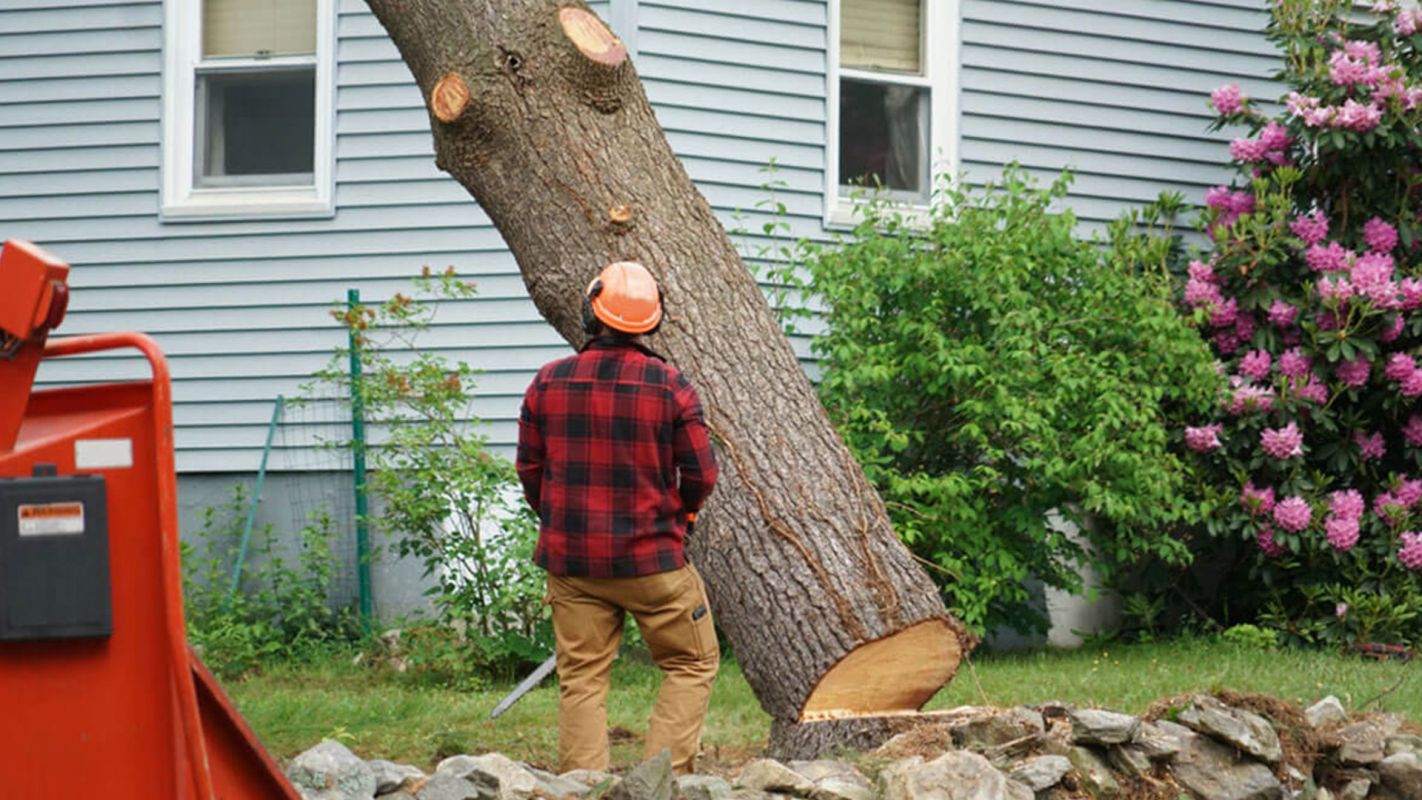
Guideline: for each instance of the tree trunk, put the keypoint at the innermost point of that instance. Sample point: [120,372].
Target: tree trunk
[537,111]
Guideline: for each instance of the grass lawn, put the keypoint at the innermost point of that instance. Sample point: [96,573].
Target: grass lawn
[379,716]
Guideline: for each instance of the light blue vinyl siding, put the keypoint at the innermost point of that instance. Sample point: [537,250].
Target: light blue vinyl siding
[242,307]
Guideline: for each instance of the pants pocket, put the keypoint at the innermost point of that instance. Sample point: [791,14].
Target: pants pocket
[703,627]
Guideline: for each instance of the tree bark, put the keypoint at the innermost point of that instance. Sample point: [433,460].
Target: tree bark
[537,111]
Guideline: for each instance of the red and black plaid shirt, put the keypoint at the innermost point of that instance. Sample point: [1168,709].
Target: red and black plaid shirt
[613,453]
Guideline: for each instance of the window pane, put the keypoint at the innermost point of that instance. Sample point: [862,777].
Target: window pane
[880,34]
[258,27]
[256,124]
[883,136]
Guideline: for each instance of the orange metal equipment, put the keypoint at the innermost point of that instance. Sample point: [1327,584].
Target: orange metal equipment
[129,712]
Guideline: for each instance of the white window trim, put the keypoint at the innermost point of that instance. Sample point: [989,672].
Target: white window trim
[941,43]
[181,201]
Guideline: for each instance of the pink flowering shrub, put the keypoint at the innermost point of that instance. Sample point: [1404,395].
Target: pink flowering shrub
[1311,296]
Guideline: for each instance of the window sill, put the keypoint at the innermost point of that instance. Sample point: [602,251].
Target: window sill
[209,205]
[843,215]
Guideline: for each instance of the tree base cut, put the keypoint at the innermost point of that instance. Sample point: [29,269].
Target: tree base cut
[895,674]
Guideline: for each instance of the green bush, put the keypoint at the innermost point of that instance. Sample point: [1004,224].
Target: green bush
[280,611]
[443,497]
[995,375]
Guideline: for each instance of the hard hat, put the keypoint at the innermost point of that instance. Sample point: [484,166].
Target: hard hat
[625,297]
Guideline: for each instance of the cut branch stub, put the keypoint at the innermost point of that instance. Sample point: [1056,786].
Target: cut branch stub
[592,38]
[449,98]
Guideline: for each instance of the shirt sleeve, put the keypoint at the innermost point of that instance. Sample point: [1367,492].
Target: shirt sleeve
[530,459]
[695,460]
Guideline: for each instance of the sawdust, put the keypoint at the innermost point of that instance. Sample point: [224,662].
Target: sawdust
[926,741]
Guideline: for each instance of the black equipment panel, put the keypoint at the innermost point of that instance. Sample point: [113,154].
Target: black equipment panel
[54,559]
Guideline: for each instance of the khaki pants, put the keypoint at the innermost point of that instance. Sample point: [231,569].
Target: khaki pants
[671,611]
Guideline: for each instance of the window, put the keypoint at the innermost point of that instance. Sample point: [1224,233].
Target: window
[893,99]
[247,109]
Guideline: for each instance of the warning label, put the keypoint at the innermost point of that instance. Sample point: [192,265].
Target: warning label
[52,519]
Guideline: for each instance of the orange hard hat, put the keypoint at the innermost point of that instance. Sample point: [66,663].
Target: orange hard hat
[625,298]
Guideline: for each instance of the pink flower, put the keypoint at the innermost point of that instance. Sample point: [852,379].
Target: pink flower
[1255,364]
[1282,443]
[1410,554]
[1340,610]
[1217,197]
[1313,390]
[1311,228]
[1355,372]
[1227,99]
[1411,385]
[1226,315]
[1372,447]
[1200,271]
[1379,235]
[1358,116]
[1408,21]
[1256,501]
[1342,533]
[1391,332]
[1251,398]
[1294,364]
[1408,492]
[1412,431]
[1275,136]
[1388,508]
[1411,289]
[1202,294]
[1282,315]
[1267,545]
[1336,290]
[1293,513]
[1399,366]
[1247,151]
[1226,342]
[1244,326]
[1331,258]
[1203,439]
[1347,504]
[1241,203]
[1371,276]
[1328,321]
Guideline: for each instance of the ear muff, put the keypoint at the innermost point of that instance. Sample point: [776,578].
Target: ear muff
[591,324]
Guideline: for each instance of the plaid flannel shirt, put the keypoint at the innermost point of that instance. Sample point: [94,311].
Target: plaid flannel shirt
[613,454]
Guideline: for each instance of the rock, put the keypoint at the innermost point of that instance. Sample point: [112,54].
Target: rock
[1041,773]
[557,785]
[1129,759]
[445,785]
[1055,709]
[330,771]
[816,771]
[997,729]
[1156,743]
[1403,743]
[1093,773]
[703,787]
[1356,789]
[1363,743]
[650,780]
[495,776]
[770,776]
[1328,711]
[1244,730]
[1402,773]
[587,777]
[841,789]
[391,777]
[1324,794]
[834,780]
[1215,772]
[1095,726]
[955,775]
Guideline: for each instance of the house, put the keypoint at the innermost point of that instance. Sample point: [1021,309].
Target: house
[219,172]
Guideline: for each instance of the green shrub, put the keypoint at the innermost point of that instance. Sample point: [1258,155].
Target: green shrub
[280,611]
[443,497]
[997,378]
[1251,636]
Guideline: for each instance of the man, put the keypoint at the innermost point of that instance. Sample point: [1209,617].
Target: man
[613,454]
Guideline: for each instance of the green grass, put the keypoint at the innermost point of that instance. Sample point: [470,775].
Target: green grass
[379,716]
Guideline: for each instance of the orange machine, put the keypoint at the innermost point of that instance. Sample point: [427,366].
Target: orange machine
[100,695]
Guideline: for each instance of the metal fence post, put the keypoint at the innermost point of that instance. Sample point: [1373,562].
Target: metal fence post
[362,524]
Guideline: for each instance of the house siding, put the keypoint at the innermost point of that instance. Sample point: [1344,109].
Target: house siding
[242,307]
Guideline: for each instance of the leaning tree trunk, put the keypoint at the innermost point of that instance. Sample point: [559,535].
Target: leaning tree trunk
[537,111]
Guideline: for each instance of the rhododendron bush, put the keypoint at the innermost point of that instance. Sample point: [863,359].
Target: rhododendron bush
[1311,296]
